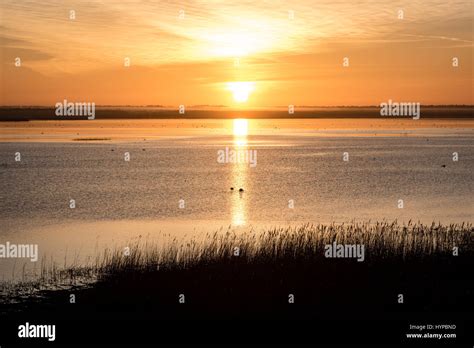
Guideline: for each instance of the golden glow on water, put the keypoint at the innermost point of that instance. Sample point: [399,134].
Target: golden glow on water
[240,131]
[239,199]
[241,127]
[239,174]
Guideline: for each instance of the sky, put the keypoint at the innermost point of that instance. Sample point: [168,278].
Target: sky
[236,53]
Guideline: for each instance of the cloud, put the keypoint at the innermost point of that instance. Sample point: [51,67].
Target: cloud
[174,58]
[151,32]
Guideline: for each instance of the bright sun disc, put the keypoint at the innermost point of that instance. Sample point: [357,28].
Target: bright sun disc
[241,90]
[241,127]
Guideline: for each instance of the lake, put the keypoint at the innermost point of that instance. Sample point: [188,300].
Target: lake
[177,188]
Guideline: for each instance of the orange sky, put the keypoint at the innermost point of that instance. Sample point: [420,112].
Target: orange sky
[187,53]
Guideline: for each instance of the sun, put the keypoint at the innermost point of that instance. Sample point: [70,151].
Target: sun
[241,90]
[241,127]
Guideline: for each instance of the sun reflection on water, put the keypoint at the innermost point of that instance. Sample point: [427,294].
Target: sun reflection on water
[239,175]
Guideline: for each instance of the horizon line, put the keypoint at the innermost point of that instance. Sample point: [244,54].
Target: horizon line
[228,107]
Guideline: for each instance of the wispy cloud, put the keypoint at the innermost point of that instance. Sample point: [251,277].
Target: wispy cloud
[292,49]
[152,32]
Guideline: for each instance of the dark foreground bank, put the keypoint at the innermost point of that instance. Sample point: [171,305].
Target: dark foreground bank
[237,286]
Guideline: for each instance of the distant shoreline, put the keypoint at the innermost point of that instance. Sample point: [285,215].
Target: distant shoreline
[27,113]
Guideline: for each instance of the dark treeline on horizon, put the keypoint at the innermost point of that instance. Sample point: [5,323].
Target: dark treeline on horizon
[18,113]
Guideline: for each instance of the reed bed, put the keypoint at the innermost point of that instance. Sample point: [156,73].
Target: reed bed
[381,240]
[304,243]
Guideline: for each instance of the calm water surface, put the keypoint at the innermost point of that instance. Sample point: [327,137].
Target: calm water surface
[118,201]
